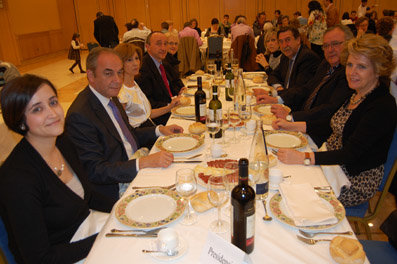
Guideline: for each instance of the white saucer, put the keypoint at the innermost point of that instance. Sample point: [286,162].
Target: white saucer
[182,248]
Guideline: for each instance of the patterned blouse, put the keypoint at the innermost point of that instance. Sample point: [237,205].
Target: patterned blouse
[316,26]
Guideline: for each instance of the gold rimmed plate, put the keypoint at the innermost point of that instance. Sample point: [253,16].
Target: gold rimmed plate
[285,139]
[183,111]
[180,143]
[262,109]
[150,208]
[278,209]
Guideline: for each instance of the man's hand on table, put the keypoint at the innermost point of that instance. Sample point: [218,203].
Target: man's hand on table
[171,129]
[183,89]
[265,99]
[161,159]
[279,111]
[290,156]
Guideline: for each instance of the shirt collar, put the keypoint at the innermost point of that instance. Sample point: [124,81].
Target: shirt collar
[155,62]
[103,99]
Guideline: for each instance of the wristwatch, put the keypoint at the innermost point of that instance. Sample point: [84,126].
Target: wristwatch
[307,159]
[288,118]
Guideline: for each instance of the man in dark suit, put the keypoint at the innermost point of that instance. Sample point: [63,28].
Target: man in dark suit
[298,63]
[328,89]
[106,31]
[98,126]
[155,78]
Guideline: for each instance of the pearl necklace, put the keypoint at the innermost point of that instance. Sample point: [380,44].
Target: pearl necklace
[59,172]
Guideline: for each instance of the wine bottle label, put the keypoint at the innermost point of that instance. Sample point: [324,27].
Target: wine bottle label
[250,229]
[217,112]
[202,110]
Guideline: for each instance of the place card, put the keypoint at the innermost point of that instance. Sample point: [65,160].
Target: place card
[217,250]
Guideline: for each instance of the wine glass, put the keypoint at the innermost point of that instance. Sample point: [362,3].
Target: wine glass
[213,123]
[230,179]
[234,120]
[186,185]
[225,125]
[235,63]
[217,195]
[218,77]
[259,170]
[211,68]
[244,111]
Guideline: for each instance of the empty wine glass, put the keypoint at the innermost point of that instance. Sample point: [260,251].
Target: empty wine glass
[217,195]
[234,120]
[186,185]
[259,172]
[211,68]
[244,111]
[225,125]
[235,63]
[230,179]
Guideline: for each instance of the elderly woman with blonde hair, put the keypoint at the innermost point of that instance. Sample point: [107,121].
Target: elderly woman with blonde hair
[270,59]
[359,134]
[135,102]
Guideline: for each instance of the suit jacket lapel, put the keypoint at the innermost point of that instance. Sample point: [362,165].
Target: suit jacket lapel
[157,76]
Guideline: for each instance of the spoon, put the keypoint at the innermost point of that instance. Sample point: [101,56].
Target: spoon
[310,235]
[266,217]
[168,253]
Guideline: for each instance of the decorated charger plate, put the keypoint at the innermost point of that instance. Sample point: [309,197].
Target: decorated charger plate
[261,109]
[285,139]
[184,111]
[279,211]
[179,143]
[150,208]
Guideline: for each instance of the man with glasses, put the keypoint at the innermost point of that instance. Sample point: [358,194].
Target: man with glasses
[155,79]
[327,91]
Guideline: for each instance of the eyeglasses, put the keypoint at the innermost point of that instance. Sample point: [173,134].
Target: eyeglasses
[333,44]
[173,43]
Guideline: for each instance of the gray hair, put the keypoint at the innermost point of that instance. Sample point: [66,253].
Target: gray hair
[92,58]
[344,29]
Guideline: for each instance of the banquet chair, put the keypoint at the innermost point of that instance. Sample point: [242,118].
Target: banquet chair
[5,253]
[215,48]
[244,49]
[188,55]
[379,252]
[137,42]
[362,213]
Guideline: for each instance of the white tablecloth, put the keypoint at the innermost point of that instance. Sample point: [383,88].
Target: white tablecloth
[275,242]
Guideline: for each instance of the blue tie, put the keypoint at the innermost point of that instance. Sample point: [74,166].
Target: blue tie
[123,126]
[288,76]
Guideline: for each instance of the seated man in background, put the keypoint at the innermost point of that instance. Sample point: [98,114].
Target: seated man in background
[98,125]
[155,78]
[241,28]
[328,89]
[138,30]
[298,64]
[188,31]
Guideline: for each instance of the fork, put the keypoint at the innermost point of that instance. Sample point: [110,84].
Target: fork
[311,241]
[153,231]
[310,235]
[169,187]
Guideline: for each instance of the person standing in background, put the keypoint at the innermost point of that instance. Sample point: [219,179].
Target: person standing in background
[331,13]
[74,52]
[106,31]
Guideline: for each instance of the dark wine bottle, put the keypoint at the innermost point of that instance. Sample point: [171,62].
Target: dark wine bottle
[243,211]
[215,108]
[200,102]
[229,85]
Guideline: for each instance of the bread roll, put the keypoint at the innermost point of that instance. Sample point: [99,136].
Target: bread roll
[268,119]
[184,100]
[200,202]
[197,128]
[346,250]
[200,72]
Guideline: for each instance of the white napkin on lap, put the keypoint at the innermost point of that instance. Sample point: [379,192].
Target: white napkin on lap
[304,206]
[336,177]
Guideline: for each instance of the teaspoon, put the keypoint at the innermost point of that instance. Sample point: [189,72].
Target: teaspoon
[266,217]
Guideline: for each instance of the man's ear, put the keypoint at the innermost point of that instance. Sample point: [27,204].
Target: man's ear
[90,76]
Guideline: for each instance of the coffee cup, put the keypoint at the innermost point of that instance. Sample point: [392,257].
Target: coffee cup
[168,240]
[275,178]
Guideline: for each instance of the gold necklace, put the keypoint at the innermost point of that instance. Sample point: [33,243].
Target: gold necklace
[353,102]
[59,172]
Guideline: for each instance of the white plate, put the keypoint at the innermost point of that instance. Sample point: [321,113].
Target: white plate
[283,140]
[186,111]
[178,143]
[263,109]
[182,248]
[146,209]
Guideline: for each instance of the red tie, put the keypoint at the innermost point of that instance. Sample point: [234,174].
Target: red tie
[164,76]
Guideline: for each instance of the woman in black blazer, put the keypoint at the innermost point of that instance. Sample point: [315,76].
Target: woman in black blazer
[360,132]
[44,194]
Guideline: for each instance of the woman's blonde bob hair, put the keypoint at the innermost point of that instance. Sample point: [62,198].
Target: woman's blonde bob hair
[376,49]
[127,50]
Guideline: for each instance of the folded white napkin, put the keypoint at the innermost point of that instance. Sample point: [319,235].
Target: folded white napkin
[304,206]
[335,175]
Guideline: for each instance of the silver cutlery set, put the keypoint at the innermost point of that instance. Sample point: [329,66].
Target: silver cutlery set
[308,237]
[133,233]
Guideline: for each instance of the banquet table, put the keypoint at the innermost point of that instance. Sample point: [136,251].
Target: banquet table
[275,242]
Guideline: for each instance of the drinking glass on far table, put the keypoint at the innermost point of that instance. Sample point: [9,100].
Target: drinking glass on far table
[211,68]
[186,185]
[213,124]
[244,111]
[234,120]
[235,64]
[218,77]
[218,195]
[225,125]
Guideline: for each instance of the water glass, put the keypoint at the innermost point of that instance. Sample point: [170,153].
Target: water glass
[234,121]
[186,185]
[218,196]
[245,113]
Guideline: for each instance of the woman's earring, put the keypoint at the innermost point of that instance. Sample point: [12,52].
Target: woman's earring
[23,127]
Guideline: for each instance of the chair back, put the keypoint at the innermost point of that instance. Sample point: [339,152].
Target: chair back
[215,46]
[391,157]
[5,253]
[188,55]
[244,49]
[137,42]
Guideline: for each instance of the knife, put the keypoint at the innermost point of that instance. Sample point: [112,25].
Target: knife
[130,235]
[187,161]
